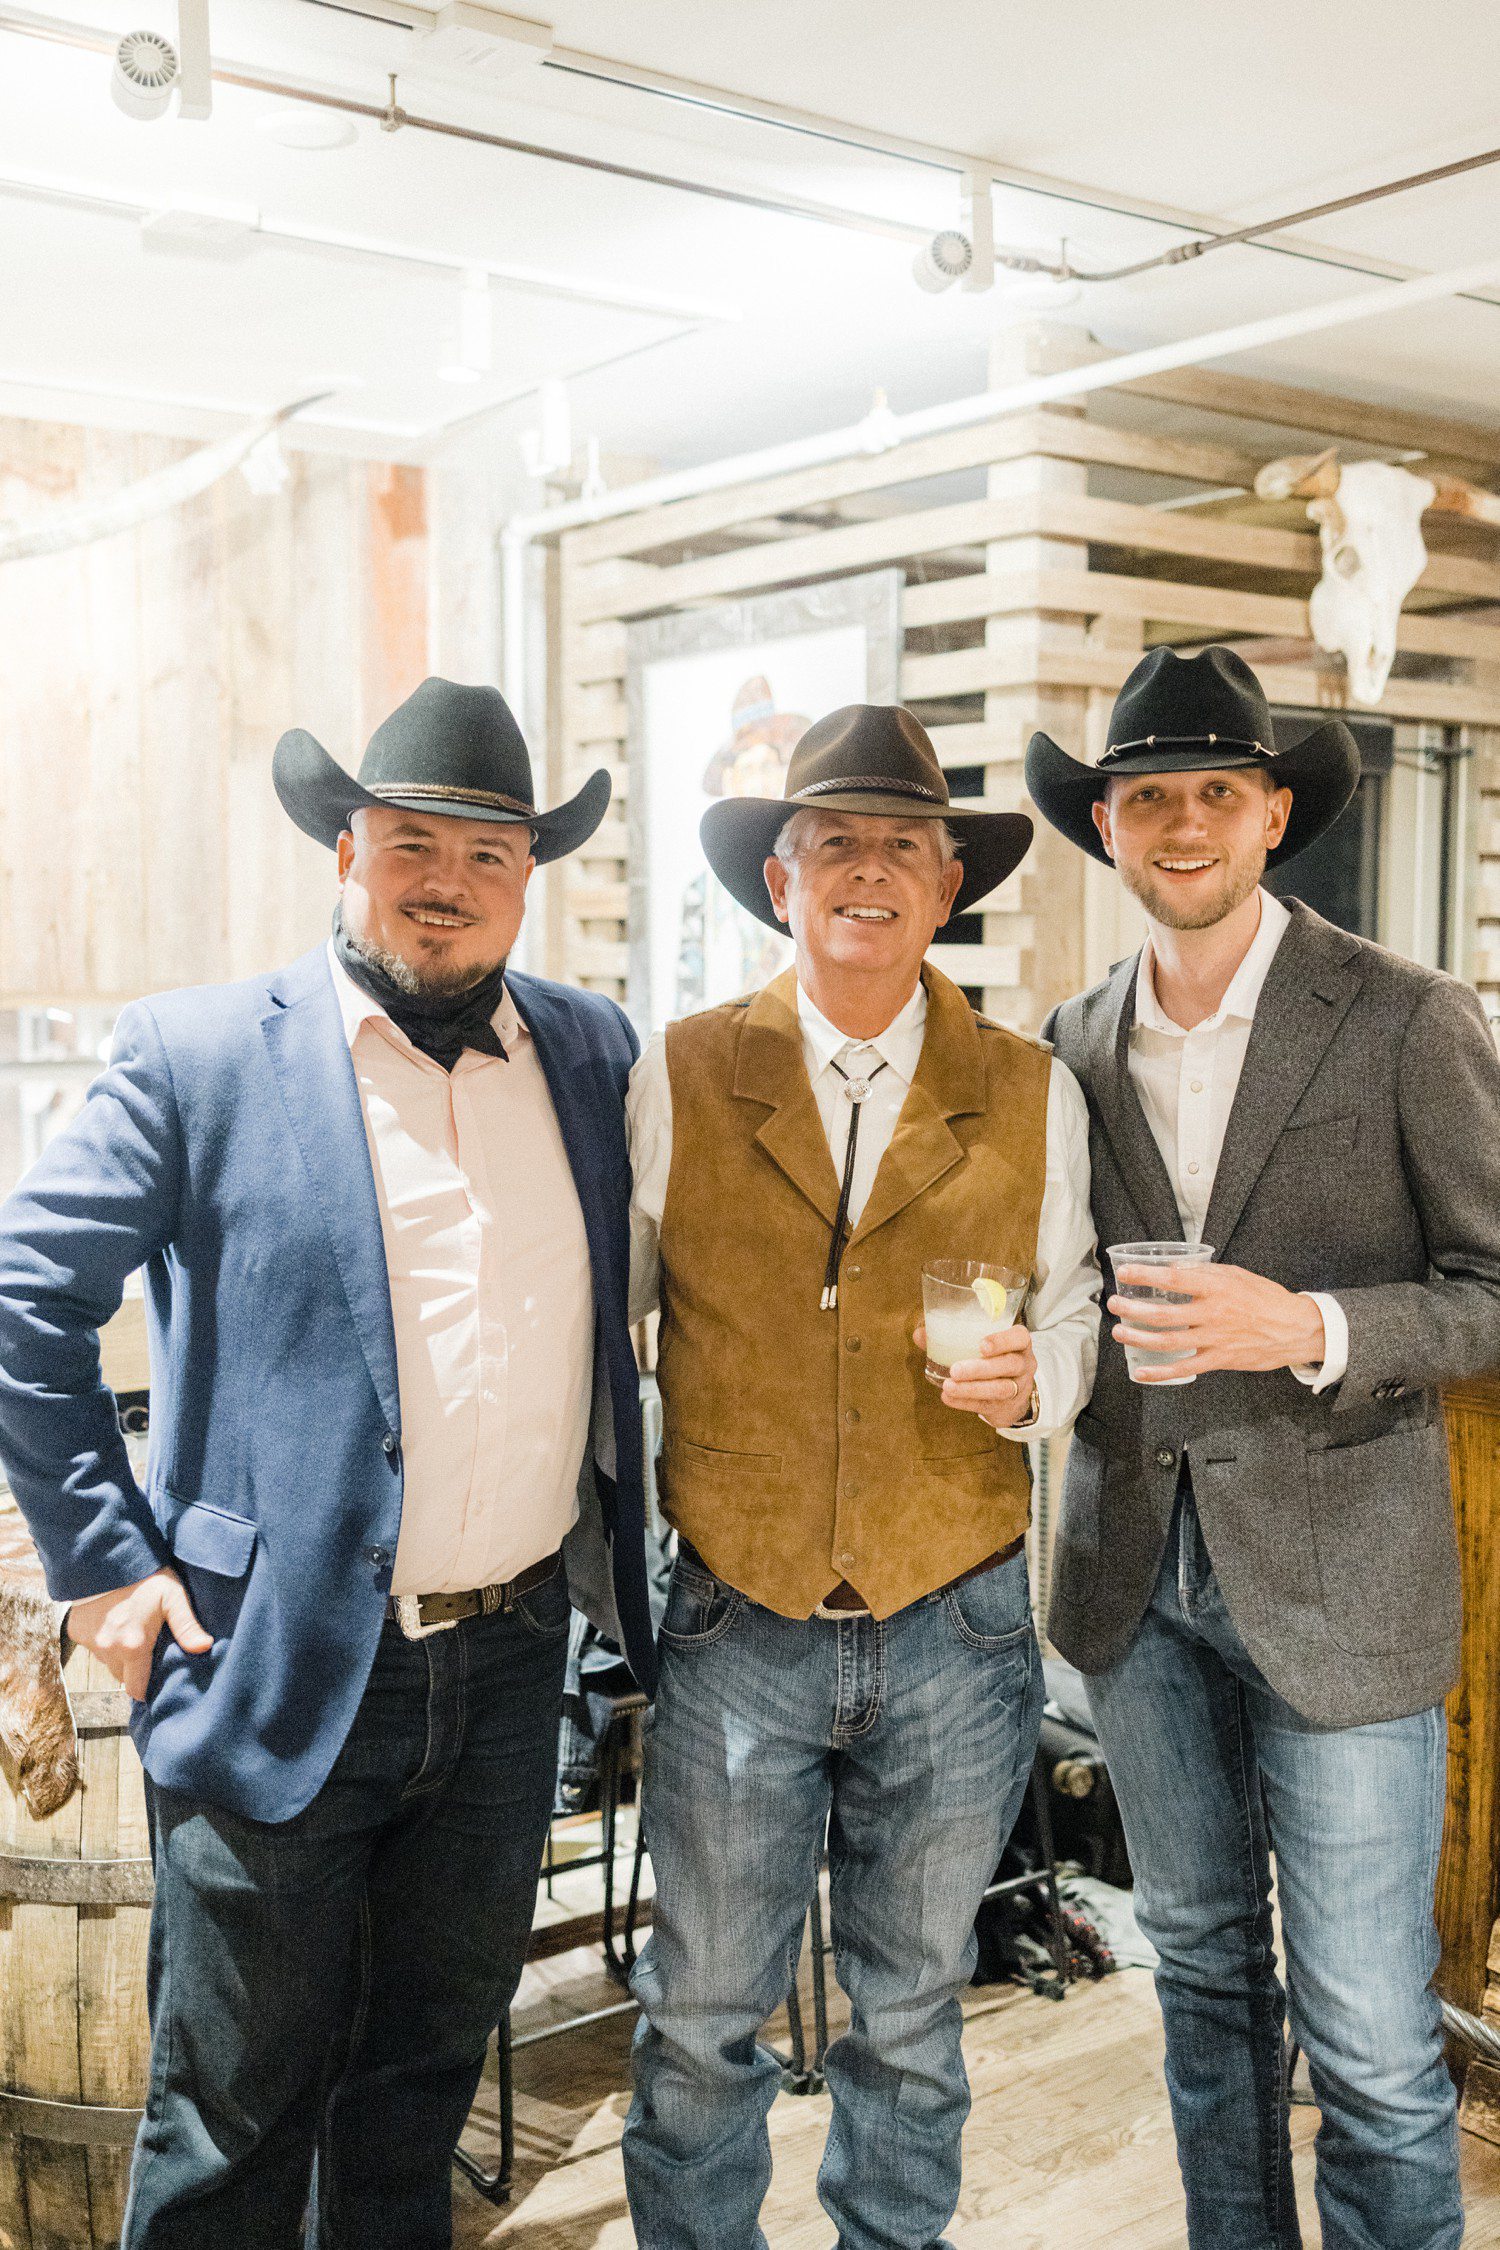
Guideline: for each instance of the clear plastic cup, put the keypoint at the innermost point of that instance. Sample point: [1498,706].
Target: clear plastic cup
[958,1317]
[1155,1254]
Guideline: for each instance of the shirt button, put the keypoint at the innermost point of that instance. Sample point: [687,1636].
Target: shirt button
[1194,1165]
[1196,1086]
[851,1413]
[1165,1457]
[851,1343]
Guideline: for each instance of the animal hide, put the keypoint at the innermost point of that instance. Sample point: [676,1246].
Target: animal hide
[37,1738]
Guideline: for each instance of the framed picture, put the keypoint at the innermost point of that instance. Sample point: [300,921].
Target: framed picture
[717,701]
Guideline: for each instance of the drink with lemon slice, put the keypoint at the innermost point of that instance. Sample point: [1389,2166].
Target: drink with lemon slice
[963,1301]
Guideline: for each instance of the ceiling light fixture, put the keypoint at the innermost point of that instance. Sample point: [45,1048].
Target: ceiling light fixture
[966,254]
[149,69]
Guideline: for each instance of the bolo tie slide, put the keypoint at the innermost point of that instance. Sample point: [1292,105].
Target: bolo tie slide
[856,1094]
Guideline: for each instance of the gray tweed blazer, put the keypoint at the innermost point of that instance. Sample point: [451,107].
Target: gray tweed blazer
[1362,1157]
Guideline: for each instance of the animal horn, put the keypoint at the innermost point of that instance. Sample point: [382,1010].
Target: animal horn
[1300,476]
[1456,497]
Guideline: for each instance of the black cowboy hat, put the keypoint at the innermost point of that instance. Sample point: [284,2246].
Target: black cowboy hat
[446,749]
[871,758]
[1196,714]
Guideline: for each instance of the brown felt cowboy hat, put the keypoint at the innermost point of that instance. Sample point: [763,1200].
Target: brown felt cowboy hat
[447,749]
[1196,714]
[867,758]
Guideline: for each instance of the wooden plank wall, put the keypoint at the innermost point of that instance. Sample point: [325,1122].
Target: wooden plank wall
[1028,598]
[146,679]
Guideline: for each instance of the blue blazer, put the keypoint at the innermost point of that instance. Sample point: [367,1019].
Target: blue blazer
[224,1150]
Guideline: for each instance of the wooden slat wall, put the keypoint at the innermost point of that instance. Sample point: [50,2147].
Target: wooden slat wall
[146,680]
[1026,604]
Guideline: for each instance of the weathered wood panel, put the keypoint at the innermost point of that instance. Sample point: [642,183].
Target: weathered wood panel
[148,677]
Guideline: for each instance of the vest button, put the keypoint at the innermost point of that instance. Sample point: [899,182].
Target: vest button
[852,1273]
[851,1343]
[851,1413]
[851,1492]
[1165,1457]
[846,1560]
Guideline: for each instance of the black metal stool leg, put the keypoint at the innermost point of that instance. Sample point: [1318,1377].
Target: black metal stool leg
[495,2186]
[1060,1949]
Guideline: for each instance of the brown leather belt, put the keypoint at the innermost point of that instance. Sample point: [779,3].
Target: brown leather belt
[845,1600]
[420,1614]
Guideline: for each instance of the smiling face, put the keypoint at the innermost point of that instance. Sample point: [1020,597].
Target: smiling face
[863,895]
[1192,846]
[438,902]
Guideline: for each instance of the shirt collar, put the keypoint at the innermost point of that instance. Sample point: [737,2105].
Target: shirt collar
[358,1007]
[1243,994]
[899,1045]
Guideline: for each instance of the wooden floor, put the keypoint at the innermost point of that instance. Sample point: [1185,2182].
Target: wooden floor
[1068,2147]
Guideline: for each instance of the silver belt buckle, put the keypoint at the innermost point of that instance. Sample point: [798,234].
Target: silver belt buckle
[409,1618]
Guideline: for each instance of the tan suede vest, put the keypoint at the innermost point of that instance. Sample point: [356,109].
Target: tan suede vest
[803,1447]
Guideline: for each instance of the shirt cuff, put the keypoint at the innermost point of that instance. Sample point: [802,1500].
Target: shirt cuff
[1335,1360]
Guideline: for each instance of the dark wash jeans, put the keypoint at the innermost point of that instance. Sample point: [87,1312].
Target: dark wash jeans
[1214,1772]
[325,1987]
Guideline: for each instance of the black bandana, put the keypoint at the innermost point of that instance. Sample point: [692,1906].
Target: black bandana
[441,1024]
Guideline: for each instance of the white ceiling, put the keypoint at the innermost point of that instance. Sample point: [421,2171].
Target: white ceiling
[711,327]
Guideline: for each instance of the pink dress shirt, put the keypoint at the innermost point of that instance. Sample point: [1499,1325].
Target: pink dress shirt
[491,1296]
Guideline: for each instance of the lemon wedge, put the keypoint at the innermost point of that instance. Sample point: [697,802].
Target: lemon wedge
[992,1296]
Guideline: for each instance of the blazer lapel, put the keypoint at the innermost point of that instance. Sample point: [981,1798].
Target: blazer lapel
[1120,1112]
[564,1060]
[1307,993]
[949,1083]
[304,1034]
[770,1069]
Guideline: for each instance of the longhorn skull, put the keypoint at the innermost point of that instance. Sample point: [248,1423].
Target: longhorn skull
[1369,519]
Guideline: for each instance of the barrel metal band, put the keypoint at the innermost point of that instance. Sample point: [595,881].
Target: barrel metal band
[75,1882]
[79,2124]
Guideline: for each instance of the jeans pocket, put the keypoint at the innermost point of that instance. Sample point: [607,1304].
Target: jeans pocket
[546,1609]
[992,1610]
[700,1608]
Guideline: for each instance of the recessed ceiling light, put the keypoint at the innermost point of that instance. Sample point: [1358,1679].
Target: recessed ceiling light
[305,127]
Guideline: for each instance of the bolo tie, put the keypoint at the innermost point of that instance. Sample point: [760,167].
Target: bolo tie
[856,1094]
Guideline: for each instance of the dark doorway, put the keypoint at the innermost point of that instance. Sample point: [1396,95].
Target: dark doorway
[1339,875]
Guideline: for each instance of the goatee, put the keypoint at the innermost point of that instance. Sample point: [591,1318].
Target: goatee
[437,984]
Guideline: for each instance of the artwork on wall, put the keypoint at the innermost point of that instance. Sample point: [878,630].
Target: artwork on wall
[717,700]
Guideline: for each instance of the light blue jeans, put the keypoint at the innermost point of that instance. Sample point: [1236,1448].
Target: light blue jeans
[1214,1772]
[911,1740]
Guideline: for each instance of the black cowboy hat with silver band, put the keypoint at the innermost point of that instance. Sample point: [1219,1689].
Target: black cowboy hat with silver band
[1196,714]
[447,749]
[867,758]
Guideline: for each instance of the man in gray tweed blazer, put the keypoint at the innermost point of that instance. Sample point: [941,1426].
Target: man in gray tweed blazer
[1256,1567]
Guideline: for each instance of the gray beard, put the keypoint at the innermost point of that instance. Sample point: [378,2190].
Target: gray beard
[408,979]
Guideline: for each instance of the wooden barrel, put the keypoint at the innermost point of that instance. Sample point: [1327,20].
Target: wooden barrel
[75,1896]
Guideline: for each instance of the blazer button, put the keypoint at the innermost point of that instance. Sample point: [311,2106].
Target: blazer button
[388,1442]
[379,1558]
[1165,1457]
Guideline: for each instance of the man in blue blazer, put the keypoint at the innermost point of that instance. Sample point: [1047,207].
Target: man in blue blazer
[381,1201]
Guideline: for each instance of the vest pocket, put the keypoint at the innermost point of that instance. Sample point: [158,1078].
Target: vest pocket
[712,1460]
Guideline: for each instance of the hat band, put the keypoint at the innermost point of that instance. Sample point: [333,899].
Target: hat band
[1157,741]
[448,794]
[878,784]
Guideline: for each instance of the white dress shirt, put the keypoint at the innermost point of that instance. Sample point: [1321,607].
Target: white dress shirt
[1062,1311]
[1186,1082]
[491,1296]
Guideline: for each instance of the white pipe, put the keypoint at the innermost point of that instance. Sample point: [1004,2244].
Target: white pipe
[879,433]
[47,187]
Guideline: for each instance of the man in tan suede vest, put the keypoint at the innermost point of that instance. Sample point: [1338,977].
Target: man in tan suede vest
[848,1646]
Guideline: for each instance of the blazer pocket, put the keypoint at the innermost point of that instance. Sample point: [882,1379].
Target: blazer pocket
[1382,1524]
[210,1538]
